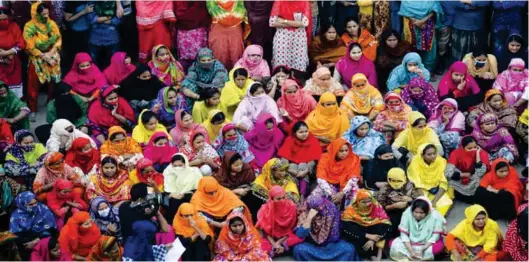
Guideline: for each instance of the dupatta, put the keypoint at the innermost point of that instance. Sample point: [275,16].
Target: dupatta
[297,105]
[447,86]
[264,142]
[511,183]
[277,218]
[457,119]
[118,70]
[338,172]
[362,215]
[85,82]
[330,122]
[421,231]
[427,176]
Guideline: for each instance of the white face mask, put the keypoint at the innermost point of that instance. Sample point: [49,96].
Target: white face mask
[104,212]
[179,168]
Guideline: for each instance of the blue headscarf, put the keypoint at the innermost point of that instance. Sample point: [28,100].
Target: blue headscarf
[104,222]
[420,9]
[166,113]
[363,146]
[400,74]
[137,247]
[36,219]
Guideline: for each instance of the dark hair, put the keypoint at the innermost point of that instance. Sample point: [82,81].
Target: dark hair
[218,117]
[115,91]
[4,85]
[324,28]
[160,48]
[418,121]
[62,88]
[387,34]
[501,165]
[41,8]
[522,224]
[235,219]
[356,20]
[467,140]
[160,138]
[138,191]
[234,158]
[517,38]
[197,135]
[113,136]
[481,213]
[146,116]
[269,121]
[208,93]
[352,45]
[184,113]
[478,52]
[254,87]
[54,235]
[297,126]
[178,158]
[240,72]
[107,160]
[172,89]
[282,69]
[428,147]
[419,203]
[20,138]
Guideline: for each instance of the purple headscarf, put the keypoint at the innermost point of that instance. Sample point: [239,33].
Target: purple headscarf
[326,224]
[428,97]
[492,142]
[457,119]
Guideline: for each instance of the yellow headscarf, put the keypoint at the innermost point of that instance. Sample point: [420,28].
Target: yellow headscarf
[213,130]
[265,181]
[231,95]
[142,135]
[398,177]
[524,118]
[411,138]
[362,101]
[201,111]
[330,122]
[426,176]
[488,237]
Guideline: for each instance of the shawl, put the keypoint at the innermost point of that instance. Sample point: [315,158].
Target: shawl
[287,9]
[400,74]
[447,86]
[41,252]
[11,36]
[85,82]
[427,98]
[363,215]
[366,40]
[25,155]
[362,101]
[251,107]
[465,232]
[6,135]
[238,145]
[230,244]
[411,138]
[206,152]
[524,118]
[347,67]
[191,15]
[115,188]
[100,113]
[47,174]
[338,172]
[129,146]
[137,176]
[118,70]
[297,105]
[421,232]
[166,112]
[104,222]
[386,54]
[228,179]
[30,220]
[277,218]
[100,251]
[325,51]
[397,113]
[182,226]
[138,246]
[181,180]
[231,95]
[427,176]
[201,111]
[11,106]
[510,81]
[325,226]
[200,77]
[148,13]
[266,180]
[465,160]
[255,68]
[227,13]
[506,114]
[134,88]
[516,236]
[491,66]
[79,241]
[300,151]
[60,139]
[330,122]
[377,169]
[511,183]
[506,56]
[456,122]
[316,86]
[142,135]
[160,154]
[213,130]
[366,145]
[180,133]
[170,73]
[264,142]
[75,157]
[493,141]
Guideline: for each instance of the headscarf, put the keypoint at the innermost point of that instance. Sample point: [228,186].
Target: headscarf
[118,70]
[366,40]
[325,226]
[25,155]
[211,75]
[11,105]
[100,251]
[244,243]
[31,220]
[100,113]
[277,218]
[493,141]
[239,144]
[297,105]
[171,72]
[104,222]
[255,68]
[510,81]
[142,178]
[524,118]
[47,174]
[41,252]
[362,101]
[181,224]
[465,232]
[62,139]
[214,130]
[330,122]
[75,157]
[206,152]
[411,138]
[160,154]
[181,180]
[448,86]
[142,135]
[67,106]
[362,215]
[253,106]
[511,183]
[338,171]
[266,180]
[138,246]
[427,176]
[315,86]
[134,88]
[286,10]
[264,143]
[422,231]
[76,240]
[515,243]
[377,169]
[465,160]
[115,188]
[166,112]
[129,146]
[506,55]
[400,74]
[231,181]
[85,82]
[297,151]
[456,122]
[428,97]
[227,14]
[397,113]
[181,134]
[506,114]
[363,146]
[491,65]
[347,67]
[56,200]
[397,178]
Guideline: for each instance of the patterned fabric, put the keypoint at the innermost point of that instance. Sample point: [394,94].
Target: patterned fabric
[169,72]
[103,222]
[506,114]
[362,100]
[239,144]
[54,168]
[365,216]
[11,106]
[190,41]
[325,226]
[24,160]
[421,39]
[102,250]
[227,13]
[516,236]
[493,142]
[367,144]
[511,83]
[266,180]
[206,152]
[113,189]
[425,101]
[397,114]
[32,220]
[290,45]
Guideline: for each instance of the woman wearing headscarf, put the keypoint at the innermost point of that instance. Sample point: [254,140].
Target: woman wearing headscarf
[458,84]
[64,202]
[321,82]
[214,123]
[255,103]
[230,139]
[366,225]
[264,139]
[147,125]
[106,217]
[234,90]
[123,147]
[295,103]
[62,135]
[513,82]
[120,68]
[421,96]
[194,233]
[111,182]
[258,18]
[411,67]
[210,102]
[236,175]
[353,63]
[184,127]
[483,67]
[389,55]
[85,78]
[79,235]
[421,230]
[167,104]
[357,32]
[145,173]
[326,48]
[495,139]
[362,98]
[393,118]
[253,61]
[192,21]
[12,43]
[274,172]
[164,66]
[66,106]
[515,47]
[49,249]
[54,168]
[141,88]
[495,103]
[24,159]
[327,122]
[13,110]
[106,249]
[280,73]
[159,150]
[139,247]
[363,138]
[375,174]
[10,189]
[83,158]
[515,244]
[153,20]
[201,154]
[449,123]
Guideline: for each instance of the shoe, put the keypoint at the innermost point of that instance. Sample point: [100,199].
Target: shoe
[32,117]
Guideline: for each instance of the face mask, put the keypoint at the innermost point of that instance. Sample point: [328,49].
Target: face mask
[104,212]
[30,209]
[179,168]
[84,229]
[233,138]
[114,103]
[396,108]
[479,64]
[28,148]
[208,65]
[165,60]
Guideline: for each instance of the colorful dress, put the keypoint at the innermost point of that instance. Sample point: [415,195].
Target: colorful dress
[11,66]
[506,114]
[449,132]
[400,76]
[498,143]
[366,145]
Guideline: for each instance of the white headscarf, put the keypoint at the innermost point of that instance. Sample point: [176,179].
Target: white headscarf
[181,179]
[60,138]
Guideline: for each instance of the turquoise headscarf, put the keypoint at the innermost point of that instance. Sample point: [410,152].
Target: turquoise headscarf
[429,229]
[400,74]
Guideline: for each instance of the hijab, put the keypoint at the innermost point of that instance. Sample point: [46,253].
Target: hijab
[67,106]
[252,106]
[244,243]
[423,230]
[226,178]
[363,146]
[428,98]
[456,122]
[104,221]
[160,154]
[129,146]
[362,100]
[101,250]
[447,85]
[85,81]
[300,151]
[506,56]
[182,226]
[49,174]
[365,216]
[377,169]
[397,178]
[31,220]
[316,87]
[510,81]
[411,138]
[169,72]
[77,240]
[255,68]
[60,139]
[277,218]
[330,122]
[166,112]
[338,171]
[325,51]
[493,141]
[266,180]
[398,51]
[239,144]
[56,200]
[511,183]
[264,142]
[400,74]
[75,157]
[118,70]
[115,188]
[138,247]
[347,67]
[134,88]
[141,165]
[181,180]
[506,114]
[213,131]
[465,160]
[142,135]
[427,176]
[465,232]
[100,113]
[180,133]
[397,113]
[297,105]
[325,226]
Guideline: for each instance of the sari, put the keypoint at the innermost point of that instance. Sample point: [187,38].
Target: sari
[37,220]
[11,66]
[366,40]
[316,87]
[117,71]
[77,241]
[239,144]
[169,72]
[397,115]
[498,143]
[60,139]
[400,76]
[88,82]
[449,131]
[231,95]
[297,105]
[100,113]
[114,189]
[366,145]
[128,152]
[362,101]
[180,134]
[251,107]
[51,172]
[142,135]
[181,180]
[137,176]
[506,114]
[11,106]
[424,102]
[329,122]
[264,142]
[232,180]
[266,181]
[160,155]
[258,68]
[347,68]
[324,51]
[447,86]
[213,130]
[101,250]
[513,84]
[85,161]
[103,222]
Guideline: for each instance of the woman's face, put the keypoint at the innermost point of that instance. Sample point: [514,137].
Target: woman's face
[163,55]
[457,77]
[302,133]
[65,191]
[343,152]
[128,60]
[187,121]
[236,167]
[258,92]
[392,41]
[178,163]
[514,47]
[255,57]
[27,141]
[280,77]
[420,125]
[325,78]
[447,110]
[429,155]
[148,170]
[472,146]
[161,142]
[151,125]
[230,134]
[198,143]
[496,102]
[237,227]
[206,60]
[481,58]
[366,202]
[419,214]
[119,138]
[516,69]
[87,148]
[502,172]
[56,251]
[279,198]
[416,91]
[329,104]
[291,90]
[352,28]
[109,169]
[84,66]
[394,102]
[330,35]
[386,156]
[171,98]
[214,101]
[111,99]
[489,127]
[146,75]
[270,124]
[240,80]
[360,84]
[102,206]
[479,221]
[356,53]
[412,66]
[362,130]
[279,173]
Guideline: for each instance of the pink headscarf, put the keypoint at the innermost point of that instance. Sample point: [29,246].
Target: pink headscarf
[84,82]
[117,70]
[448,86]
[264,143]
[179,131]
[252,106]
[513,82]
[257,68]
[457,119]
[160,154]
[298,105]
[347,67]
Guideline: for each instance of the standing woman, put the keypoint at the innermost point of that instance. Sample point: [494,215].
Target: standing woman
[192,21]
[153,19]
[390,54]
[262,34]
[11,43]
[352,63]
[77,21]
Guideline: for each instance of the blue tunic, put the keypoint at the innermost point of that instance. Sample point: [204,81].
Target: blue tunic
[331,251]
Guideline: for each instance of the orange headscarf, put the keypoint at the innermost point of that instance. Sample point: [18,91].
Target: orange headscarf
[100,250]
[76,240]
[181,225]
[130,146]
[363,215]
[250,239]
[510,183]
[361,101]
[330,122]
[338,171]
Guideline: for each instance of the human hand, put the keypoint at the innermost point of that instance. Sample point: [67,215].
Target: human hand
[461,85]
[119,11]
[10,121]
[176,195]
[337,198]
[400,205]
[192,223]
[312,214]
[88,9]
[369,245]
[465,174]
[31,244]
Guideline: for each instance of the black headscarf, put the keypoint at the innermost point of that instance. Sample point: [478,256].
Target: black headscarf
[65,105]
[377,169]
[506,56]
[133,88]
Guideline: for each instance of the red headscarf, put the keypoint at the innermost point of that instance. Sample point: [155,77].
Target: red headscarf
[155,176]
[117,70]
[75,157]
[100,113]
[510,183]
[338,171]
[277,218]
[86,81]
[298,105]
[11,36]
[297,151]
[56,200]
[78,240]
[160,154]
[466,160]
[447,85]
[286,9]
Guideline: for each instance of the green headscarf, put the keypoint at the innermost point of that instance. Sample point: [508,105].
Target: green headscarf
[11,105]
[429,229]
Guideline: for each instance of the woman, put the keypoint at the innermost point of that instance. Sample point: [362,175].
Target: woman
[321,82]
[513,82]
[14,111]
[327,122]
[141,88]
[159,150]
[201,154]
[111,182]
[147,126]
[427,173]
[483,67]
[494,103]
[393,118]
[361,35]
[500,190]
[234,90]
[362,98]
[411,67]
[210,102]
[83,158]
[421,96]
[230,139]
[145,173]
[184,127]
[366,225]
[111,110]
[167,103]
[153,20]
[506,17]
[515,48]
[264,140]
[421,230]
[376,171]
[255,103]
[24,159]
[49,249]
[194,233]
[274,173]
[139,247]
[292,21]
[120,68]
[79,235]
[465,168]
[214,124]
[236,175]
[253,61]
[62,135]
[261,34]
[363,138]
[458,84]
[54,168]
[353,63]
[12,43]
[495,139]
[65,106]
[63,201]
[106,249]
[164,66]
[326,48]
[192,20]
[123,147]
[239,240]
[477,237]
[105,216]
[449,123]
[389,55]
[85,78]
[280,73]
[295,103]
[515,244]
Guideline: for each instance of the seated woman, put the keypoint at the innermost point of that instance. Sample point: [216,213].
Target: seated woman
[49,249]
[421,230]
[64,202]
[214,124]
[109,111]
[126,149]
[363,138]
[483,67]
[513,82]
[24,158]
[106,217]
[12,188]
[79,235]
[165,67]
[495,139]
[500,191]
[85,78]
[83,158]
[147,125]
[375,174]
[264,139]
[145,173]
[319,226]
[327,122]
[255,103]
[514,48]
[274,172]
[107,248]
[201,154]
[390,54]
[120,68]
[355,33]
[230,139]
[421,96]
[184,127]
[160,150]
[166,106]
[67,106]
[365,224]
[239,240]
[139,247]
[210,101]
[252,60]
[140,88]
[302,150]
[236,175]
[515,244]
[362,99]
[495,103]
[54,168]
[13,109]
[194,234]
[321,82]
[338,173]
[522,130]
[111,182]
[411,67]
[426,172]
[280,73]
[449,123]
[326,48]
[458,84]
[234,90]
[354,62]
[295,103]
[62,135]
[393,118]
[477,237]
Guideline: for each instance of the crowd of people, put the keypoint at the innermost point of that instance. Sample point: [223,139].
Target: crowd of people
[250,130]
